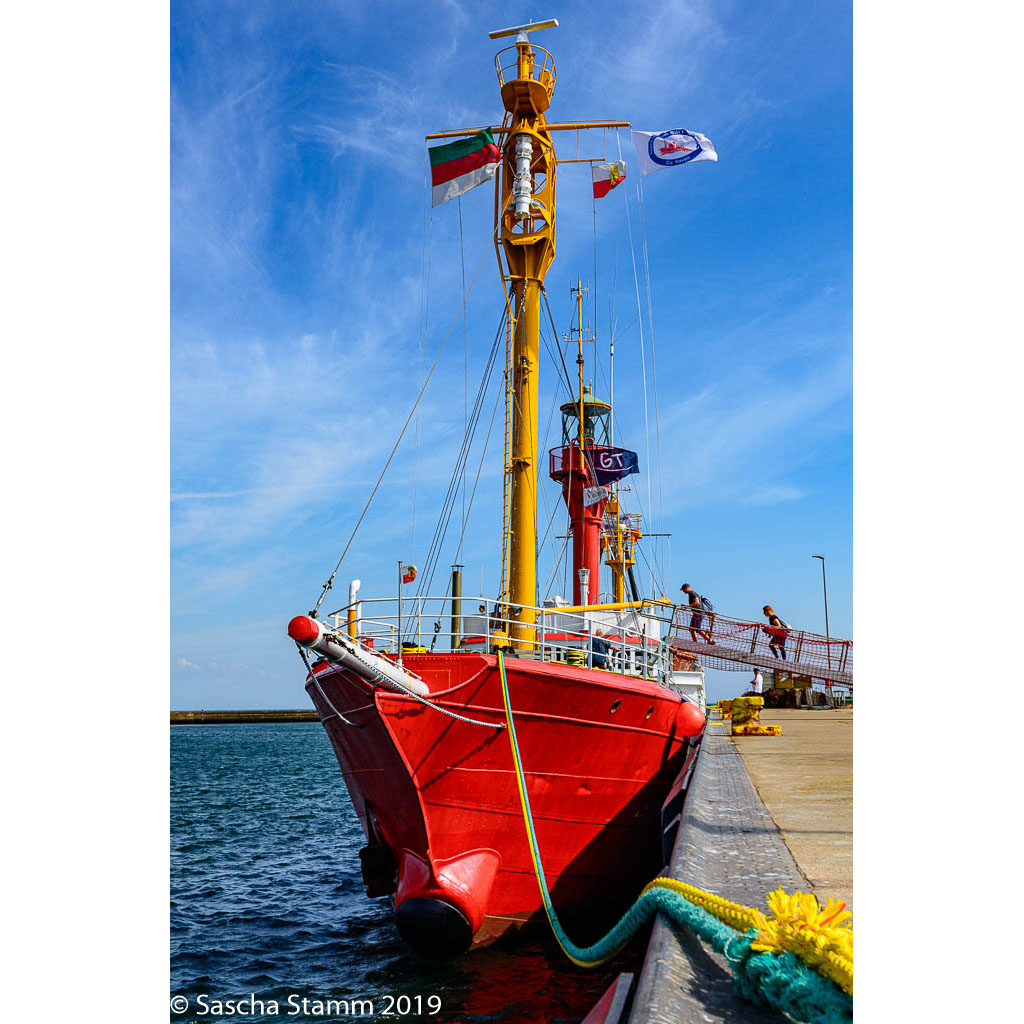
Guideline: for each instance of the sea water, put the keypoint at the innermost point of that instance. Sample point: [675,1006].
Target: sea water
[269,919]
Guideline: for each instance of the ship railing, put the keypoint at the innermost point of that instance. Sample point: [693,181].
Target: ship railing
[541,70]
[636,640]
[565,458]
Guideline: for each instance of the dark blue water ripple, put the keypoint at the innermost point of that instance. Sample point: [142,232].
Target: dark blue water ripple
[267,897]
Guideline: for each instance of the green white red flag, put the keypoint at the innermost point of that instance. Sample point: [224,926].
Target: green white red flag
[607,176]
[461,165]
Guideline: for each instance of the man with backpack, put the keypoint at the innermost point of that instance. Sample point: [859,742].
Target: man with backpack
[699,607]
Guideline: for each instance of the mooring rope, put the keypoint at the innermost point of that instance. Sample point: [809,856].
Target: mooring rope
[764,961]
[446,711]
[316,683]
[404,689]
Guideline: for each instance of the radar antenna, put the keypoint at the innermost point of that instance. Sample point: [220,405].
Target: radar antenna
[522,30]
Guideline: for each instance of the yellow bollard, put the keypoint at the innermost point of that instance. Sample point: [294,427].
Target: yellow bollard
[746,718]
[725,708]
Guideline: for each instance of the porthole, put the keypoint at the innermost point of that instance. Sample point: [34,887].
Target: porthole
[615,707]
[650,711]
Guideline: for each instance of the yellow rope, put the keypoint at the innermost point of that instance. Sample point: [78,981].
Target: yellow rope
[821,936]
[733,914]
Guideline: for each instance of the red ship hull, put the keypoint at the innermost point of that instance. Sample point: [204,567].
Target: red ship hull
[438,801]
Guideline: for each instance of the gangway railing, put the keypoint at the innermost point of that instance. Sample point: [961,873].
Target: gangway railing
[723,642]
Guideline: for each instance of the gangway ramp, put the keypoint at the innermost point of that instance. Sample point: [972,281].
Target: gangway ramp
[738,644]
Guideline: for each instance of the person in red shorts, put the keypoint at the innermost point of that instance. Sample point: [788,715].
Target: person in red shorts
[778,632]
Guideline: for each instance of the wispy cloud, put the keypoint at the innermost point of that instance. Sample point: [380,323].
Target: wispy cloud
[381,119]
[774,494]
[734,438]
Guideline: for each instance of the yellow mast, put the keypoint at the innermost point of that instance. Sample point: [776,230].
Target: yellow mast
[525,232]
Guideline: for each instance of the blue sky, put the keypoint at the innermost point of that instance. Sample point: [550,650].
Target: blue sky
[301,240]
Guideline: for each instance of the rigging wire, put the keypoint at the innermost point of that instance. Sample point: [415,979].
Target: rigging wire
[476,481]
[428,223]
[660,583]
[330,580]
[593,201]
[611,349]
[547,431]
[459,470]
[465,351]
[561,354]
[557,564]
[547,437]
[551,519]
[643,362]
[654,361]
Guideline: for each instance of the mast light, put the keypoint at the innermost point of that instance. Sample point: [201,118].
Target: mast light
[533,26]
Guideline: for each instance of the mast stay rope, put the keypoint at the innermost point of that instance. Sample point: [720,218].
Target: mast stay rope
[472,496]
[465,520]
[459,470]
[329,584]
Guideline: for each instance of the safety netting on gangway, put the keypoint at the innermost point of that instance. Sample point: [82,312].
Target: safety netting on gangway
[735,645]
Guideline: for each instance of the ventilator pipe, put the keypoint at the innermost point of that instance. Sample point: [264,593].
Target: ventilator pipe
[632,584]
[353,608]
[456,605]
[524,181]
[340,650]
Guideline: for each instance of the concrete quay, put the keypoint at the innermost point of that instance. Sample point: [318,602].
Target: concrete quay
[760,812]
[805,779]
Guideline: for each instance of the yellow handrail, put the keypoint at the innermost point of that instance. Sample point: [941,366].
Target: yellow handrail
[616,606]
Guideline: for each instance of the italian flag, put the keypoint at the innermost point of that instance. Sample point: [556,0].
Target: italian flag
[462,165]
[607,176]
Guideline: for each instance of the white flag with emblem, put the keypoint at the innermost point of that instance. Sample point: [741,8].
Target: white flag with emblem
[592,495]
[656,151]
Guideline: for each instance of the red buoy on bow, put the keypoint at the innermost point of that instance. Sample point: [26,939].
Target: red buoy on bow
[303,630]
[690,719]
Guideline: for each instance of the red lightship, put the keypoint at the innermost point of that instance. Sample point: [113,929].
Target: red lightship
[595,690]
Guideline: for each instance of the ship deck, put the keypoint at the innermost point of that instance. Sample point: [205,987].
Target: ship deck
[761,812]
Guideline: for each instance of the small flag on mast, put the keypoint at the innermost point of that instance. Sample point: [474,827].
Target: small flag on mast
[607,176]
[655,151]
[461,165]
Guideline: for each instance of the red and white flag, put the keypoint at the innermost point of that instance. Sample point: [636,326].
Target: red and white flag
[607,176]
[656,151]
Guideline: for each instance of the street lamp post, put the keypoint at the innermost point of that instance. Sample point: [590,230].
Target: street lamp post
[828,638]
